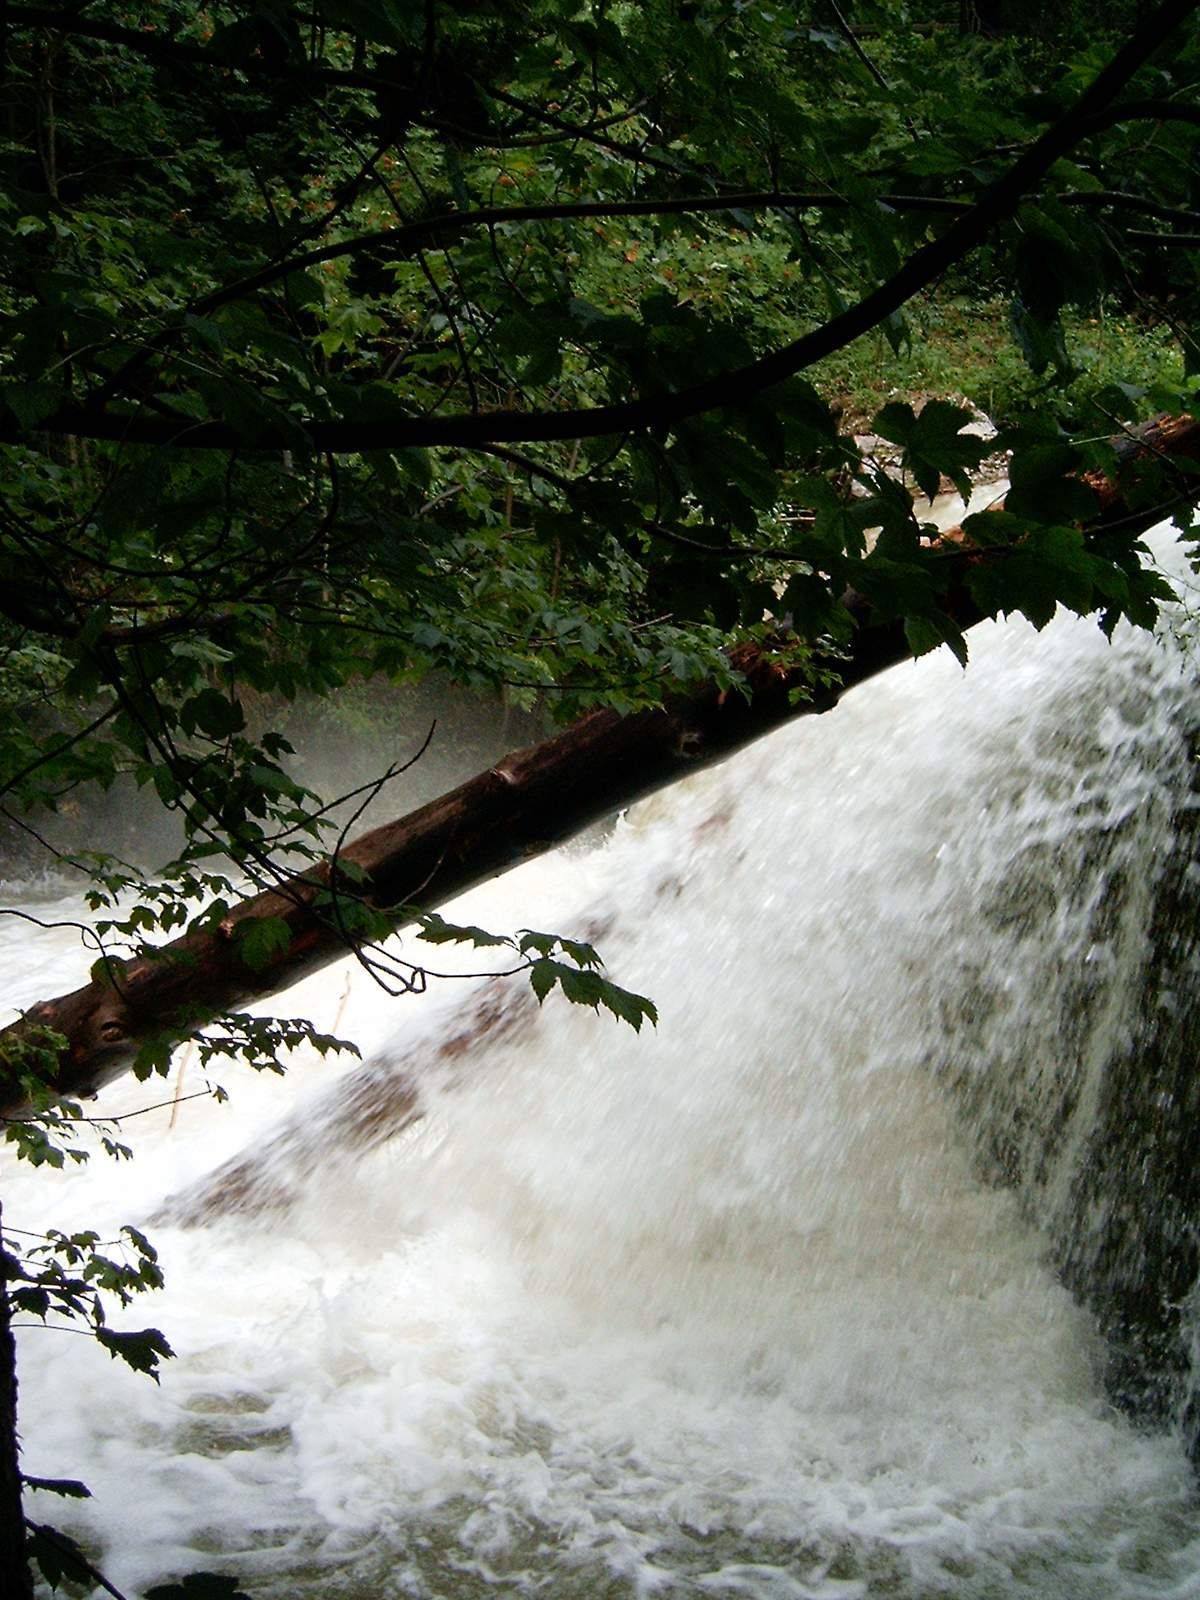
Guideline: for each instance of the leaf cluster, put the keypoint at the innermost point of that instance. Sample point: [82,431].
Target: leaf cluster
[550,960]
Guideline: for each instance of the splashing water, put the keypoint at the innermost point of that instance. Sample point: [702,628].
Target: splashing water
[732,1308]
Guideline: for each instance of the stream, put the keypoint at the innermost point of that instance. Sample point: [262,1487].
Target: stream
[747,1305]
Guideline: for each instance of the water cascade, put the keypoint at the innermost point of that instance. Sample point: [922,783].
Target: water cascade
[834,1286]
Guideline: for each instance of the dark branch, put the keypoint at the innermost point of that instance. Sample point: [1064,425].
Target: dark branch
[856,45]
[179,52]
[1145,111]
[412,234]
[1118,200]
[724,390]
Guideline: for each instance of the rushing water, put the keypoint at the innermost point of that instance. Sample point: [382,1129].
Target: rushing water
[732,1308]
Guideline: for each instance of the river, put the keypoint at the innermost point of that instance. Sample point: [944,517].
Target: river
[732,1308]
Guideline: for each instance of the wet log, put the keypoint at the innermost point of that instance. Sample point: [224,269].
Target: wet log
[529,801]
[526,803]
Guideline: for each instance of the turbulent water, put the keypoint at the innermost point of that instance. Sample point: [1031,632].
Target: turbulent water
[733,1308]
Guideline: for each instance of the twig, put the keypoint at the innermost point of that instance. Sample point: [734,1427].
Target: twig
[856,45]
[184,1059]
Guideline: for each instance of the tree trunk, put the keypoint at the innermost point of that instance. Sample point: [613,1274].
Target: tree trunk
[15,1577]
[529,801]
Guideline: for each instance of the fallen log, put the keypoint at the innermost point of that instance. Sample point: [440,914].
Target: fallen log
[530,800]
[527,802]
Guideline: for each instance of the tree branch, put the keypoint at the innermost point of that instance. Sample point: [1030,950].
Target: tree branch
[856,45]
[410,234]
[1144,111]
[179,51]
[720,392]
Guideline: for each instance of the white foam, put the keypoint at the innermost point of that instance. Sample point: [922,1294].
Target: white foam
[723,1309]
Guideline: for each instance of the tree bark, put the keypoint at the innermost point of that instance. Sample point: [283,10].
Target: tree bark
[526,803]
[16,1579]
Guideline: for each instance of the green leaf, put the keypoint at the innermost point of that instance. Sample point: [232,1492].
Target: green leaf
[937,446]
[934,443]
[1051,566]
[261,939]
[895,421]
[1044,486]
[984,528]
[30,403]
[587,988]
[898,332]
[212,713]
[926,633]
[543,975]
[141,1350]
[154,1056]
[1040,339]
[583,955]
[629,1007]
[580,988]
[436,930]
[199,1586]
[34,1301]
[57,1556]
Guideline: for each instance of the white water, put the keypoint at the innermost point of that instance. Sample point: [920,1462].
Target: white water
[722,1310]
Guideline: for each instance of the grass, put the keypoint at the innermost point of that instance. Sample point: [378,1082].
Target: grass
[965,348]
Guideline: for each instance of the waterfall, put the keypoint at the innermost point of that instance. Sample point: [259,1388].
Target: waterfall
[834,1285]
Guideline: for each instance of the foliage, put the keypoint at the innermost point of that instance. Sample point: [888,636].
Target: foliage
[67,1275]
[578,975]
[61,1561]
[283,293]
[508,343]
